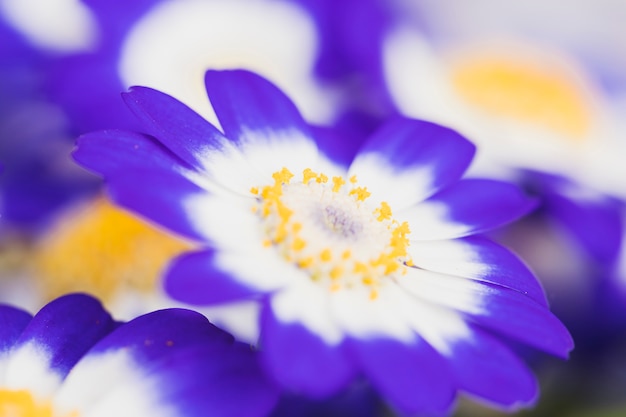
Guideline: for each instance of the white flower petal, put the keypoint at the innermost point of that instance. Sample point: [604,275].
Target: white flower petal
[28,367]
[306,303]
[93,389]
[364,318]
[445,290]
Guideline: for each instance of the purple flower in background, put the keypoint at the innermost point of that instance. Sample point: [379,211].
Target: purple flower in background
[367,265]
[71,358]
[38,177]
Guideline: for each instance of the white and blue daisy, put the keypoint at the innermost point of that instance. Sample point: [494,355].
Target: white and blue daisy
[72,359]
[361,264]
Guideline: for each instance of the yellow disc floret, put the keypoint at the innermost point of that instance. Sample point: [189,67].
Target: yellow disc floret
[524,90]
[329,229]
[21,403]
[103,250]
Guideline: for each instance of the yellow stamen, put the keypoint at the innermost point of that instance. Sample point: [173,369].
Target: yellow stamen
[21,403]
[384,212]
[361,193]
[337,183]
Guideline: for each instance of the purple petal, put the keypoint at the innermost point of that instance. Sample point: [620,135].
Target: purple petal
[209,383]
[67,328]
[480,259]
[190,365]
[245,102]
[164,197]
[413,378]
[178,127]
[110,152]
[406,161]
[155,335]
[13,321]
[486,368]
[468,207]
[596,223]
[193,278]
[301,361]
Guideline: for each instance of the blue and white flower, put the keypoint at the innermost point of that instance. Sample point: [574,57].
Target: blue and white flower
[73,359]
[363,264]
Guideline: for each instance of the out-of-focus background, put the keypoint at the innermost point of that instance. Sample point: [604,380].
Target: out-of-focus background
[539,86]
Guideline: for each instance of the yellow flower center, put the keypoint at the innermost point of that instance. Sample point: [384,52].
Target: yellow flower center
[327,227]
[526,91]
[20,403]
[103,250]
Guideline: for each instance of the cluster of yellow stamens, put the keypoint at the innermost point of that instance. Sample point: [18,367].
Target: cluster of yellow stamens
[20,403]
[325,226]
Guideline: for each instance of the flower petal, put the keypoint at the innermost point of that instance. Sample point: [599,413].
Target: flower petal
[179,128]
[166,198]
[13,321]
[300,360]
[54,340]
[237,384]
[412,377]
[596,222]
[406,161]
[496,308]
[480,259]
[484,367]
[468,207]
[194,278]
[266,125]
[132,350]
[192,138]
[111,152]
[143,358]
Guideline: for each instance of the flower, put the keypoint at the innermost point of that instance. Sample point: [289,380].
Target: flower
[73,359]
[361,265]
[98,248]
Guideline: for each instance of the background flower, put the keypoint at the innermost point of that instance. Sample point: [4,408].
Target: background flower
[72,357]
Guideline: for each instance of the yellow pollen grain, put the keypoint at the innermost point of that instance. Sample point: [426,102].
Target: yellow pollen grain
[321,178]
[346,254]
[283,176]
[361,193]
[306,262]
[267,243]
[296,227]
[298,244]
[353,179]
[360,268]
[326,255]
[103,250]
[254,190]
[373,295]
[383,212]
[308,175]
[525,90]
[336,273]
[338,182]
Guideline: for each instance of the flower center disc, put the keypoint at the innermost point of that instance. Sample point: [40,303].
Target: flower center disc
[327,228]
